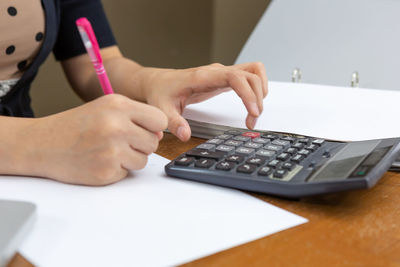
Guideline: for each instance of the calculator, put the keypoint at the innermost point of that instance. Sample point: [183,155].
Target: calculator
[285,165]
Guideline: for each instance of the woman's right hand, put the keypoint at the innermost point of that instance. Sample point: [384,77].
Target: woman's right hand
[94,144]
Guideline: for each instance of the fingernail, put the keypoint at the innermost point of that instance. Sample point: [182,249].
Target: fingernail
[181,132]
[253,121]
[254,109]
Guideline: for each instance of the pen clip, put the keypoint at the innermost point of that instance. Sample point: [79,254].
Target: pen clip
[89,39]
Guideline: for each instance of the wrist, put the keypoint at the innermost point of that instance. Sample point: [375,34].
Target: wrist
[152,80]
[145,78]
[17,156]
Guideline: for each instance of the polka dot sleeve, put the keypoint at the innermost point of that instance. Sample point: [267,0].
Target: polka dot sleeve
[22,26]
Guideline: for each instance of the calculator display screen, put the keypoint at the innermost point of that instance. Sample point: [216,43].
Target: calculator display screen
[355,159]
[375,156]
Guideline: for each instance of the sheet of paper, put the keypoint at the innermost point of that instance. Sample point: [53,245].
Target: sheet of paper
[338,113]
[145,220]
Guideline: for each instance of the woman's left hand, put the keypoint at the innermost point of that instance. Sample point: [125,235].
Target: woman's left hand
[172,90]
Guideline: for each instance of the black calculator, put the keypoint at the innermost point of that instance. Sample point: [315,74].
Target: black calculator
[285,165]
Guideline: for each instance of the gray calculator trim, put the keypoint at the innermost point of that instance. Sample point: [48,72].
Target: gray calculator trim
[289,189]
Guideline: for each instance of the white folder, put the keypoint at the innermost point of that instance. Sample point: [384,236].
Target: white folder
[328,41]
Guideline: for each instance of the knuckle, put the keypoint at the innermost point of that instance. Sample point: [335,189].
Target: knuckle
[217,65]
[104,175]
[140,162]
[163,120]
[110,127]
[160,119]
[107,155]
[255,78]
[154,144]
[111,152]
[151,145]
[157,112]
[234,74]
[259,64]
[106,169]
[116,101]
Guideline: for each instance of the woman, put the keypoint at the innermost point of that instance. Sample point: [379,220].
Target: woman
[98,142]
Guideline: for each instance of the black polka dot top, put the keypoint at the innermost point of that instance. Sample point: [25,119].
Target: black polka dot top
[22,24]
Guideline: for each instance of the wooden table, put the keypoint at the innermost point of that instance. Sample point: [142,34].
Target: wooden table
[359,228]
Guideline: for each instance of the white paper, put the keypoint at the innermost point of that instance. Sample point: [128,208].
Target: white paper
[147,219]
[338,113]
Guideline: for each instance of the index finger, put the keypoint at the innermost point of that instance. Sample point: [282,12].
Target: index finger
[258,69]
[148,117]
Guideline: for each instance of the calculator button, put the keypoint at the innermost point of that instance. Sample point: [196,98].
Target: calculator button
[252,135]
[206,146]
[265,171]
[327,154]
[312,164]
[205,154]
[288,138]
[256,161]
[246,168]
[233,143]
[304,140]
[215,141]
[298,145]
[360,171]
[288,166]
[224,136]
[282,143]
[312,147]
[274,163]
[235,158]
[297,158]
[204,163]
[318,142]
[225,148]
[291,150]
[233,132]
[283,156]
[273,148]
[261,140]
[225,166]
[304,152]
[267,154]
[280,173]
[241,138]
[270,136]
[245,150]
[184,161]
[253,145]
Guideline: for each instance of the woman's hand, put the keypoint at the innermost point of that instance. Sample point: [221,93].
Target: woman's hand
[168,89]
[94,144]
[172,90]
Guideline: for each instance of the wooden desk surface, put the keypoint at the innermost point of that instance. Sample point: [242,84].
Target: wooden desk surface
[359,228]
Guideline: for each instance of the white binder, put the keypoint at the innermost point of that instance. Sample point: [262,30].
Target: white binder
[328,41]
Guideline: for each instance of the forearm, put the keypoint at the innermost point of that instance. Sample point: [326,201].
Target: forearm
[126,76]
[16,155]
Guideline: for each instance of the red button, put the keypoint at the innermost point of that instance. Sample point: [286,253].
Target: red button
[252,135]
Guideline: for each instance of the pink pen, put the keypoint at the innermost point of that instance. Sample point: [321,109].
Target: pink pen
[92,47]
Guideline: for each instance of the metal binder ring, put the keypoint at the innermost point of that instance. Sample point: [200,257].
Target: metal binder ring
[296,75]
[355,79]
